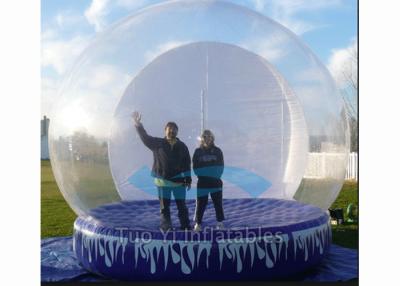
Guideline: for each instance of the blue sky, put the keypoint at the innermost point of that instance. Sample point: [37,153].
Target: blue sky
[328,27]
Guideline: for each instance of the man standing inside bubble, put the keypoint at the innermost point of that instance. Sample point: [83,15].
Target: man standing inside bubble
[208,165]
[171,171]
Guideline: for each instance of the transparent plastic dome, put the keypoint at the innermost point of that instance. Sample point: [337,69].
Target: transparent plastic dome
[273,107]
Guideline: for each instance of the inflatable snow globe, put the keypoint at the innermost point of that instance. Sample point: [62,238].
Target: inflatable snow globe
[275,113]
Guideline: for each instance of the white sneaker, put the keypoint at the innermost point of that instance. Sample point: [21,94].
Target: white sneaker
[220,225]
[197,227]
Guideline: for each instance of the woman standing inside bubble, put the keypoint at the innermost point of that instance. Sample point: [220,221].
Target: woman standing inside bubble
[208,165]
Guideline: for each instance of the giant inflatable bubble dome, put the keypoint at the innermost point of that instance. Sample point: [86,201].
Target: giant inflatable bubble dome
[273,108]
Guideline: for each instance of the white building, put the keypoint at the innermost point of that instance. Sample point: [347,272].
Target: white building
[44,138]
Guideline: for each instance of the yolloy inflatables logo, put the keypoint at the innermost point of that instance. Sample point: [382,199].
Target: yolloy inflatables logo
[244,235]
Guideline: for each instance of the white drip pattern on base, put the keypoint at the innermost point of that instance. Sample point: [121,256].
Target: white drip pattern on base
[113,249]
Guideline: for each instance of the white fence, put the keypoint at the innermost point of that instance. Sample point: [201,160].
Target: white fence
[322,165]
[352,167]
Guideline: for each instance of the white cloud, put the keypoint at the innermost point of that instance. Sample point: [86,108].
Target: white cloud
[48,34]
[49,88]
[132,4]
[296,6]
[343,64]
[272,48]
[269,51]
[104,77]
[67,18]
[259,5]
[98,83]
[96,14]
[151,55]
[311,74]
[60,53]
[287,12]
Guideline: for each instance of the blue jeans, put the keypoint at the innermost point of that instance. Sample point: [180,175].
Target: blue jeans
[164,195]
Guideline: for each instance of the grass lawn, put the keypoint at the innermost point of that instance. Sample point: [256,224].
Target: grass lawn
[57,218]
[347,233]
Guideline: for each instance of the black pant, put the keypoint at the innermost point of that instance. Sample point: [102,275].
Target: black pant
[164,194]
[202,201]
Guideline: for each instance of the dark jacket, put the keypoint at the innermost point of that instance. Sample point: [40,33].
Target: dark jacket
[170,162]
[208,165]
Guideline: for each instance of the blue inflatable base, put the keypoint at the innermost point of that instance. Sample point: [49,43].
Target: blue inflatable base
[264,239]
